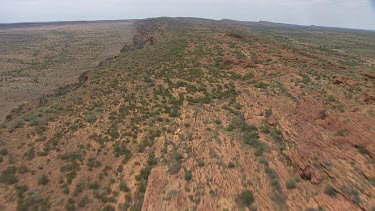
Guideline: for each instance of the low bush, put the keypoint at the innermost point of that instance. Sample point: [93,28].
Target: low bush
[329,190]
[363,150]
[188,175]
[291,183]
[43,180]
[123,186]
[231,165]
[3,152]
[90,117]
[8,175]
[247,197]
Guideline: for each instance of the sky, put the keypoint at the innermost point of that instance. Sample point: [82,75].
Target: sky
[358,14]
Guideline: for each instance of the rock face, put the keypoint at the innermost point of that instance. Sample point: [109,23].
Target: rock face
[145,29]
[337,80]
[370,75]
[369,98]
[191,117]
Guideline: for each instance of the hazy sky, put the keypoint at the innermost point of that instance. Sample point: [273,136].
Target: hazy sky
[340,13]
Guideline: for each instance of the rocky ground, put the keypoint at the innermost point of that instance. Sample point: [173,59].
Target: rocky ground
[204,115]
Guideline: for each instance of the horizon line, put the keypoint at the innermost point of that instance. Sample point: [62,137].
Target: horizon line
[133,19]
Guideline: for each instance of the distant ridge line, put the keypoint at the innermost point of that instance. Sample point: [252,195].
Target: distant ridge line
[259,23]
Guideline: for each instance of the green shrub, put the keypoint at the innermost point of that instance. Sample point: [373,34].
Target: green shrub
[188,175]
[70,206]
[268,113]
[200,163]
[323,114]
[231,165]
[8,175]
[108,207]
[352,193]
[33,201]
[260,85]
[3,152]
[43,180]
[30,154]
[90,118]
[83,202]
[18,124]
[276,135]
[80,186]
[363,150]
[120,168]
[145,172]
[94,185]
[21,190]
[291,183]
[247,197]
[22,169]
[65,189]
[152,159]
[113,132]
[263,161]
[93,163]
[329,190]
[123,186]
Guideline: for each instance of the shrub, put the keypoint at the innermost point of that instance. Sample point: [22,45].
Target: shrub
[123,186]
[145,172]
[18,124]
[120,149]
[83,202]
[94,185]
[22,169]
[291,183]
[260,85]
[70,206]
[187,175]
[80,186]
[352,193]
[90,118]
[231,165]
[21,190]
[3,152]
[247,197]
[276,135]
[43,180]
[120,168]
[263,161]
[152,160]
[268,113]
[323,114]
[108,207]
[30,154]
[65,189]
[329,190]
[92,163]
[341,133]
[363,150]
[8,176]
[33,201]
[200,163]
[113,132]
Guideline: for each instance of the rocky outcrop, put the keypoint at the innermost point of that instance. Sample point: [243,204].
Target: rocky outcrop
[145,32]
[369,75]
